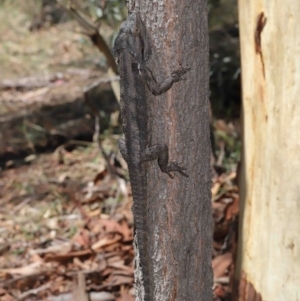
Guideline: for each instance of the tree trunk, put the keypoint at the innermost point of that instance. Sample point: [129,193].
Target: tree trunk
[180,217]
[269,243]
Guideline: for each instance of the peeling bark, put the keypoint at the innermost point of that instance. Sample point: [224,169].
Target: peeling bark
[269,243]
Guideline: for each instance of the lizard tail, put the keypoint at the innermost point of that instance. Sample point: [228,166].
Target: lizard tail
[139,209]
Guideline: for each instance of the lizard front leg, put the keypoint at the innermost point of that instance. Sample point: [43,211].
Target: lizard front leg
[161,153]
[166,84]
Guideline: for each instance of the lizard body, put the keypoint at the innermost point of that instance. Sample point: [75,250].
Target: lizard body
[132,50]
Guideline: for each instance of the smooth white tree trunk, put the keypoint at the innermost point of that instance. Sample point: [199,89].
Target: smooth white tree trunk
[268,266]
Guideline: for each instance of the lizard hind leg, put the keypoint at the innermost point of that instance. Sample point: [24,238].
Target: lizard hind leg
[161,153]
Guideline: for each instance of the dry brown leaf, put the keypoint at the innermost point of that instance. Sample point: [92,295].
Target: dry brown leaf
[126,231]
[79,263]
[61,297]
[128,273]
[64,257]
[34,291]
[125,296]
[113,259]
[117,265]
[221,263]
[113,247]
[59,248]
[105,242]
[79,288]
[30,269]
[82,238]
[126,248]
[100,176]
[106,226]
[35,257]
[7,297]
[112,226]
[102,296]
[4,248]
[215,188]
[219,291]
[120,279]
[232,209]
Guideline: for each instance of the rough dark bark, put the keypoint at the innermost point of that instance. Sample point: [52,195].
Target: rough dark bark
[179,215]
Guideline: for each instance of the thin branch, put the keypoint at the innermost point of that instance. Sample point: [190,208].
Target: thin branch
[93,32]
[97,116]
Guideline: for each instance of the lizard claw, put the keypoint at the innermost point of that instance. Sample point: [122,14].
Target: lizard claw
[174,166]
[170,175]
[177,74]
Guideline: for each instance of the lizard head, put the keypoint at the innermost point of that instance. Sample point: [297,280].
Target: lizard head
[133,38]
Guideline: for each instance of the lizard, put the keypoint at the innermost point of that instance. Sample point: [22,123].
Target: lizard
[132,51]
